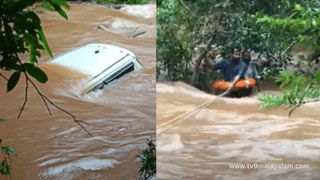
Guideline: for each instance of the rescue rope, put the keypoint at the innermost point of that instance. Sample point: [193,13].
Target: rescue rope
[183,116]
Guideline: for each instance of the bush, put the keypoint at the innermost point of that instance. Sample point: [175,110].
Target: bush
[148,159]
[5,166]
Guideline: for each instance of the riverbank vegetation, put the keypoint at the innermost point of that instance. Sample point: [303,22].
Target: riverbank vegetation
[5,166]
[109,2]
[148,160]
[303,85]
[284,36]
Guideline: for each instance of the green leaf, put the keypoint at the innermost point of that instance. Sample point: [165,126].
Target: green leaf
[9,63]
[62,3]
[35,72]
[31,39]
[8,150]
[58,8]
[1,119]
[315,45]
[13,80]
[35,19]
[15,7]
[33,58]
[45,43]
[298,7]
[317,78]
[47,6]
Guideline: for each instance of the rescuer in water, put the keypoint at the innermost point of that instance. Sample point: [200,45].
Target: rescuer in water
[234,71]
[250,74]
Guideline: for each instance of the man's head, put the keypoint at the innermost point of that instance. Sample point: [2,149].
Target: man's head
[246,55]
[236,54]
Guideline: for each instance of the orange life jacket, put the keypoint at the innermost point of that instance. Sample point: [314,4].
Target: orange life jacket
[221,86]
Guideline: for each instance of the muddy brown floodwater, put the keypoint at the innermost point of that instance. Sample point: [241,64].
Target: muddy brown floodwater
[233,131]
[121,116]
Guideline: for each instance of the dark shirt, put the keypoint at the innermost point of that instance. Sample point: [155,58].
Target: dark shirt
[230,69]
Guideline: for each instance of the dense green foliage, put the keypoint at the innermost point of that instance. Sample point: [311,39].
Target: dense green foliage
[174,39]
[301,26]
[217,26]
[123,1]
[21,32]
[274,30]
[148,160]
[302,85]
[297,90]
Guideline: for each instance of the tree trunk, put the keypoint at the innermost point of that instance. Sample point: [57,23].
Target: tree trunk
[208,48]
[200,58]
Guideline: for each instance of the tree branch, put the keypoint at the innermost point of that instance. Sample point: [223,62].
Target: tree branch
[3,77]
[291,111]
[44,98]
[184,5]
[6,161]
[290,46]
[301,100]
[208,34]
[208,46]
[25,98]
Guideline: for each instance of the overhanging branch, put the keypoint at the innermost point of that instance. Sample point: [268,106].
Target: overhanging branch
[45,99]
[184,5]
[3,77]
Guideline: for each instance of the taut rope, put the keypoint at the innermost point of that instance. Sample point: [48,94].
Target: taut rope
[182,117]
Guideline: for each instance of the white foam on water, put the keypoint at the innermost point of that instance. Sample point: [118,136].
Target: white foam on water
[182,89]
[174,145]
[92,164]
[145,11]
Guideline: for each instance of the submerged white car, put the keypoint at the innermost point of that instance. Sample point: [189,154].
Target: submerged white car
[102,62]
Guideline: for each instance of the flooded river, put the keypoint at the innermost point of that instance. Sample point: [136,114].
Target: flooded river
[229,131]
[121,116]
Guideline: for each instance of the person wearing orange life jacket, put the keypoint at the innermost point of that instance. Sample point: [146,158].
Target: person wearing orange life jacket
[250,74]
[232,70]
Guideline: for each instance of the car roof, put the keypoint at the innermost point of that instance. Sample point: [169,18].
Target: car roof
[91,59]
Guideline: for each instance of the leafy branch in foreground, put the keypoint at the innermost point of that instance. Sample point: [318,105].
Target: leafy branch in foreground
[296,92]
[5,166]
[304,24]
[21,32]
[303,28]
[148,159]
